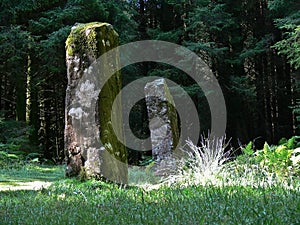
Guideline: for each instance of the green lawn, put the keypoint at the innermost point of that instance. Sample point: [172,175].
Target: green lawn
[29,176]
[69,201]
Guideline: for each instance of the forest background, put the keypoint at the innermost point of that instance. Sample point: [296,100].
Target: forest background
[252,47]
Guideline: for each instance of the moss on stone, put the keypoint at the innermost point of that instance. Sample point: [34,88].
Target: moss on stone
[173,117]
[87,42]
[86,38]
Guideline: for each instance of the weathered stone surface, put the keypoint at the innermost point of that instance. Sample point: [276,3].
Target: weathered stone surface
[84,45]
[163,122]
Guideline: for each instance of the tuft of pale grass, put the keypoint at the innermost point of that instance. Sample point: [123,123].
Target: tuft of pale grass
[209,157]
[201,164]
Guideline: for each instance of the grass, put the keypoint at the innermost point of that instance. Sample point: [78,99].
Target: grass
[72,202]
[235,192]
[29,176]
[69,201]
[31,172]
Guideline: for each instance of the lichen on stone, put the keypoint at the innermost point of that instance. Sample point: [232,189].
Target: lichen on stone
[76,113]
[87,93]
[84,45]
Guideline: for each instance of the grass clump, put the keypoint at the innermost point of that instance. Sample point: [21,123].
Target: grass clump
[201,164]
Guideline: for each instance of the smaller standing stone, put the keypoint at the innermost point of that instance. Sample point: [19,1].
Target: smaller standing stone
[163,122]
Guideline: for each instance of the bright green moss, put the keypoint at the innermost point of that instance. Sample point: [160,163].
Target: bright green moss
[84,38]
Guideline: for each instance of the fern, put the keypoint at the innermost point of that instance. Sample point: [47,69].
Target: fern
[248,149]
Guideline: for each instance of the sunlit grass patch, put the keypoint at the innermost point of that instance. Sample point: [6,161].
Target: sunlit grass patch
[15,176]
[94,202]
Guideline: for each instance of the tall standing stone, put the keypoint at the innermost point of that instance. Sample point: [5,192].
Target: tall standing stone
[163,122]
[85,44]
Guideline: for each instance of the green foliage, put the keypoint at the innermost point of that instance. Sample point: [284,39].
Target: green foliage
[13,142]
[275,159]
[170,36]
[255,47]
[16,136]
[243,85]
[16,146]
[206,24]
[8,159]
[121,17]
[287,20]
[248,149]
[290,46]
[9,147]
[282,159]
